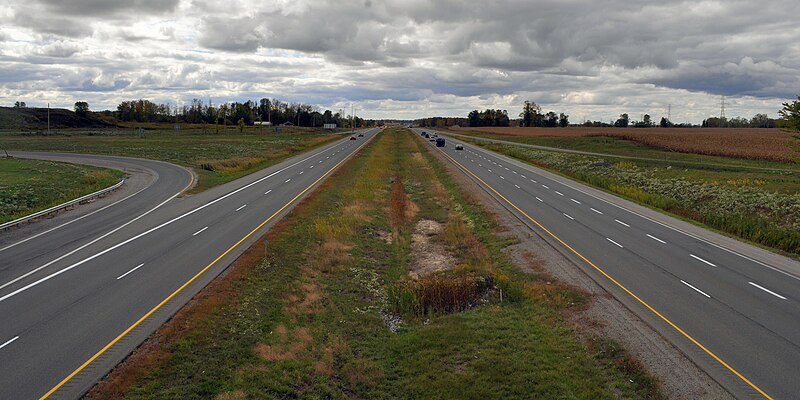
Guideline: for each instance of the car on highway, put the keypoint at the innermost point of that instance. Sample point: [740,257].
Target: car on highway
[352,138]
[459,147]
[440,142]
[360,135]
[431,139]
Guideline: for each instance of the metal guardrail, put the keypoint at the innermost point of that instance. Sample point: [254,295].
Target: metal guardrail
[62,206]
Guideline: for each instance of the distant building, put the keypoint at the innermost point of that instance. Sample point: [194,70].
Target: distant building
[264,123]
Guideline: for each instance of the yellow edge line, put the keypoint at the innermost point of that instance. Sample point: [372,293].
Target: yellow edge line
[192,279]
[665,319]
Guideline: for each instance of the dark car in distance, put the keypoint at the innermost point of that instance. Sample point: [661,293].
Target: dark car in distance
[440,142]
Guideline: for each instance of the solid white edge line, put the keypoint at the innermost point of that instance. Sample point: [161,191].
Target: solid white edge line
[656,239]
[125,274]
[622,223]
[694,288]
[767,290]
[91,242]
[8,342]
[147,232]
[243,206]
[199,232]
[700,259]
[619,245]
[71,221]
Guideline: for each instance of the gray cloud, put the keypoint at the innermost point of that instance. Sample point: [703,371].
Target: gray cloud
[410,55]
[105,8]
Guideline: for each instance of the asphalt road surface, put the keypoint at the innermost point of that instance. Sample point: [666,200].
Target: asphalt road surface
[77,298]
[731,307]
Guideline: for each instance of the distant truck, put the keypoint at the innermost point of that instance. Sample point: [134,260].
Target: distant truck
[440,142]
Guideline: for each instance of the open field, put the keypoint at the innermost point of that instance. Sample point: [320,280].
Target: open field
[216,157]
[316,317]
[28,186]
[746,143]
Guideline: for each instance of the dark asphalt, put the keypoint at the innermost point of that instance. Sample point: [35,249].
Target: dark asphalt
[58,317]
[738,301]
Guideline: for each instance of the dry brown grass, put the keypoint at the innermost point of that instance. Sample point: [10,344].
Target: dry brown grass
[748,143]
[234,395]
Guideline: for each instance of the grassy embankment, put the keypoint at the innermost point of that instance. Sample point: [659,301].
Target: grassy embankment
[756,200]
[216,157]
[28,186]
[332,311]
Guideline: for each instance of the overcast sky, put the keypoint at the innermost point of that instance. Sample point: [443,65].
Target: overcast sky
[409,58]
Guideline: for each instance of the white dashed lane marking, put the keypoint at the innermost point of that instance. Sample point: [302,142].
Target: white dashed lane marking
[767,290]
[695,289]
[655,238]
[701,260]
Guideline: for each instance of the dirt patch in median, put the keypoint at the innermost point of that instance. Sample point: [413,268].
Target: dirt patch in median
[429,255]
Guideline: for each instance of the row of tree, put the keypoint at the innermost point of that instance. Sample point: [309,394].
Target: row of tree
[488,117]
[532,115]
[265,110]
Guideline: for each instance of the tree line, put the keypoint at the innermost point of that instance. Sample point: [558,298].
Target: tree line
[249,112]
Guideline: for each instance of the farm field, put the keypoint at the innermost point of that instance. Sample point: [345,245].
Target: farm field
[756,200]
[744,143]
[215,157]
[342,303]
[28,186]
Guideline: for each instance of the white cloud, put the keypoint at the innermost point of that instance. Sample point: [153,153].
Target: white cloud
[409,57]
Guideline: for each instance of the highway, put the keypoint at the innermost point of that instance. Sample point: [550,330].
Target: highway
[731,307]
[76,299]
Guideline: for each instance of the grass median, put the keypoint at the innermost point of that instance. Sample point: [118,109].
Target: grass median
[217,156]
[387,282]
[28,186]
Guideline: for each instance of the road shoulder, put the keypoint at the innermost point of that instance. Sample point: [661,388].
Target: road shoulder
[678,376]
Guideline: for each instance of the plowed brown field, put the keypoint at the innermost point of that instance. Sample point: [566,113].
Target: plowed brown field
[761,144]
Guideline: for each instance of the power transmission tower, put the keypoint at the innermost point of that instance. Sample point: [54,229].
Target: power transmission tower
[669,113]
[722,108]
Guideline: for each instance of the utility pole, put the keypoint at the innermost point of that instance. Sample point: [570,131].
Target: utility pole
[48,118]
[722,110]
[669,113]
